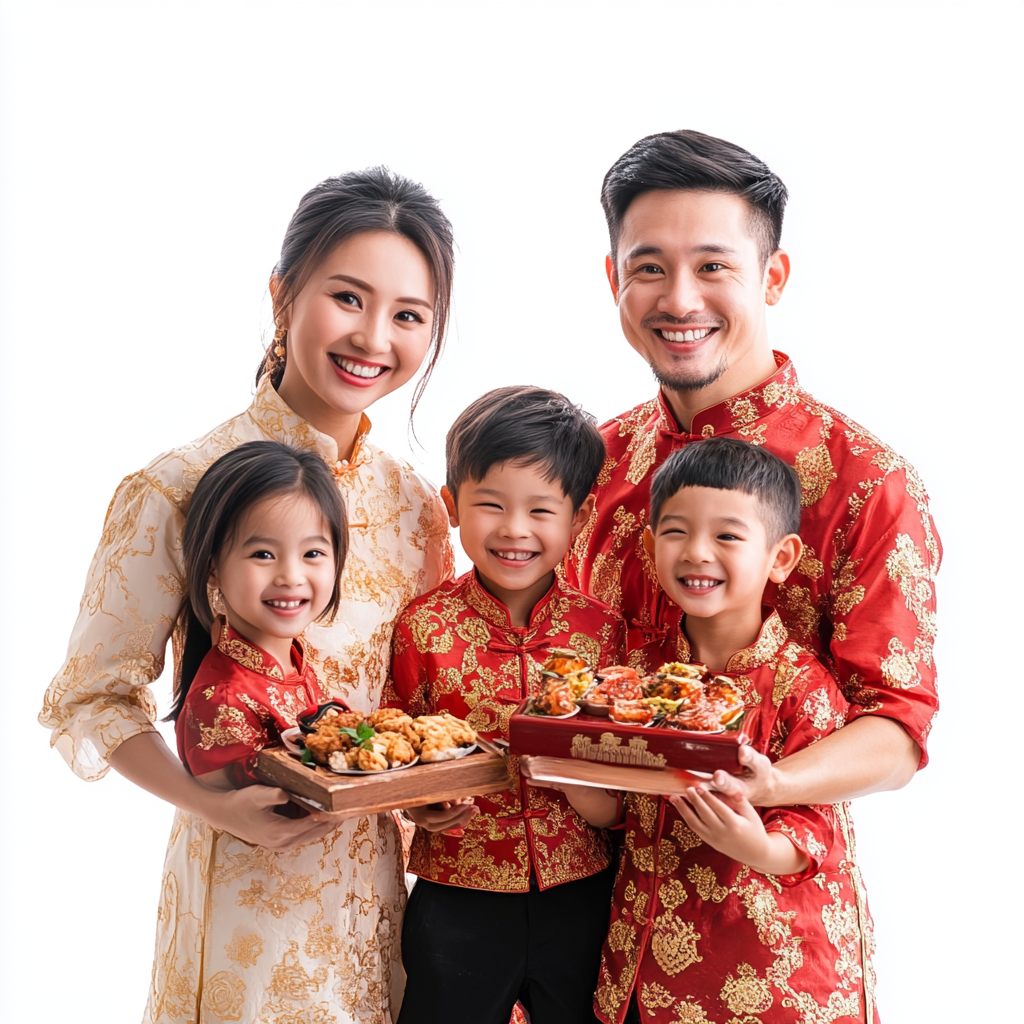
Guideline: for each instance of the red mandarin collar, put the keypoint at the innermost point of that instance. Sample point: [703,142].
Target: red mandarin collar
[771,638]
[234,646]
[523,638]
[737,413]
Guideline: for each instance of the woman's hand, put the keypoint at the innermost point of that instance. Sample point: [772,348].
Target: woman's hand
[449,814]
[736,829]
[246,813]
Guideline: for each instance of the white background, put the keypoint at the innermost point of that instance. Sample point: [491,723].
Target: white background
[152,155]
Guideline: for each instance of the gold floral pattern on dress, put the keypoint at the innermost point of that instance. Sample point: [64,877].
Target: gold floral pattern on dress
[224,996]
[245,948]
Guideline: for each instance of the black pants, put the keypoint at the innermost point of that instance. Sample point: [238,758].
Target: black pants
[470,954]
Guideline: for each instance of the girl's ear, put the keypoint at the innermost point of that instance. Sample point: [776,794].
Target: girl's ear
[787,557]
[649,542]
[582,516]
[449,504]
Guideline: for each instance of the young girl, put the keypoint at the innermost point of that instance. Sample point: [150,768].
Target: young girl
[266,532]
[360,296]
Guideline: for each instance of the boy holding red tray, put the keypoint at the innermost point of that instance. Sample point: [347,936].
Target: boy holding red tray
[513,894]
[722,911]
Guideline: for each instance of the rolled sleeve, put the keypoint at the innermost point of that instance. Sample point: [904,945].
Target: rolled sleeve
[882,607]
[101,696]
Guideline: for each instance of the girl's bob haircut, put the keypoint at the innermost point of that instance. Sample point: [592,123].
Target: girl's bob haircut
[236,482]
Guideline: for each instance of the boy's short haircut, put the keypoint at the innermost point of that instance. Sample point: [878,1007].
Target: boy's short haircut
[730,465]
[531,426]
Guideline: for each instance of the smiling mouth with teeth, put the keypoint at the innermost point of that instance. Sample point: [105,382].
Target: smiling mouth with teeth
[698,335]
[357,369]
[700,584]
[288,605]
[515,556]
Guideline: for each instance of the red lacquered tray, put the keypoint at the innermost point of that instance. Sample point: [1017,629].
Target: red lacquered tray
[586,737]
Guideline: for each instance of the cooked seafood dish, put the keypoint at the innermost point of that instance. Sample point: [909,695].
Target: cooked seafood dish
[565,677]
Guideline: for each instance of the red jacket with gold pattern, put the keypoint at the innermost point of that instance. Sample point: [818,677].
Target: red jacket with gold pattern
[240,701]
[862,598]
[455,650]
[700,937]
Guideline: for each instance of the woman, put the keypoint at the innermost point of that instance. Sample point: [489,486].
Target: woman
[361,297]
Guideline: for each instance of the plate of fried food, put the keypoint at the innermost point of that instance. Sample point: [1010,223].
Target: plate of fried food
[351,743]
[565,678]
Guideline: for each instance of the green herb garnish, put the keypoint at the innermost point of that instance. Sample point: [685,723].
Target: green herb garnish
[360,737]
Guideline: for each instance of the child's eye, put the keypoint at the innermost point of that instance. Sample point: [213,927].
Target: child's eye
[262,555]
[728,536]
[542,511]
[488,504]
[348,298]
[315,553]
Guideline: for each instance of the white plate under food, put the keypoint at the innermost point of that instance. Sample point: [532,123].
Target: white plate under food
[288,738]
[361,771]
[693,732]
[541,714]
[456,754]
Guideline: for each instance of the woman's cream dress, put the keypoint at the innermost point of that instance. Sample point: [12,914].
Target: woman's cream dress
[244,934]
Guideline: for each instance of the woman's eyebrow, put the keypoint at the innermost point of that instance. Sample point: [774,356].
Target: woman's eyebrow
[407,299]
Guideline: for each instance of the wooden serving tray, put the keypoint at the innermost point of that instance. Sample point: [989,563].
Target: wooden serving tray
[324,790]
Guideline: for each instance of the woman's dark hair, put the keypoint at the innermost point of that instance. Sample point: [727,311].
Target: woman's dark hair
[692,161]
[372,200]
[530,426]
[730,465]
[231,486]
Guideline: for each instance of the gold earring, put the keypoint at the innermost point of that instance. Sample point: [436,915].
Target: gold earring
[279,337]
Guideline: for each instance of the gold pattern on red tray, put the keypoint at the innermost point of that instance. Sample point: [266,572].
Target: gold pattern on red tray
[862,599]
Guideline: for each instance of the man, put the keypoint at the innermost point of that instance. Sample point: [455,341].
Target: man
[695,224]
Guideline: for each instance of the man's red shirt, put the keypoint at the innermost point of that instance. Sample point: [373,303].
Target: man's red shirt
[862,598]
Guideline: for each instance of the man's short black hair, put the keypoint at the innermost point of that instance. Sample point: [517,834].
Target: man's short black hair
[531,426]
[730,465]
[691,161]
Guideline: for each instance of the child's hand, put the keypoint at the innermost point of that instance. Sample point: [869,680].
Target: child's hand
[449,814]
[736,830]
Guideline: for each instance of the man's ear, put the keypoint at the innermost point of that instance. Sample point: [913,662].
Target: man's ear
[613,277]
[776,276]
[582,516]
[649,541]
[787,557]
[449,504]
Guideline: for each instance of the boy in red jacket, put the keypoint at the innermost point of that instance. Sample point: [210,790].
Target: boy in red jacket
[513,893]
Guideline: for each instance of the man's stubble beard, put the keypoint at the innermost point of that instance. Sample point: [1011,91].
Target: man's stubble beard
[680,382]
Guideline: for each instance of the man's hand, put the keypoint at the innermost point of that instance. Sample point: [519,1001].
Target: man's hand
[738,832]
[869,755]
[449,814]
[755,784]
